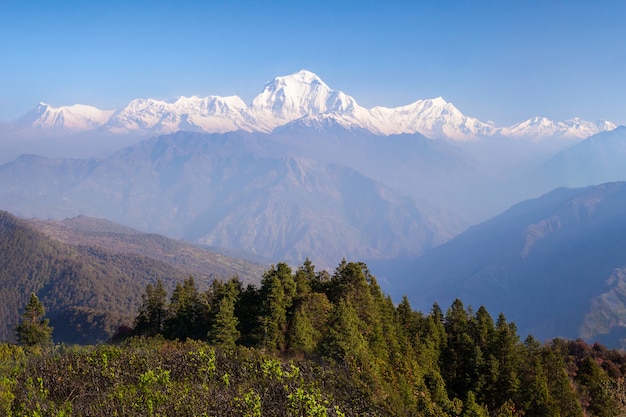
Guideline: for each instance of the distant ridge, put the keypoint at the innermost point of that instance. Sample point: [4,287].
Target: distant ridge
[242,193]
[284,100]
[555,265]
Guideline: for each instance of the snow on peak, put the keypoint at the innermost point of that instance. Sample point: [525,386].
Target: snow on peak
[304,76]
[209,114]
[291,97]
[538,128]
[434,118]
[298,96]
[74,118]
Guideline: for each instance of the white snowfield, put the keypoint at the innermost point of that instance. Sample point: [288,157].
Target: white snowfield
[300,96]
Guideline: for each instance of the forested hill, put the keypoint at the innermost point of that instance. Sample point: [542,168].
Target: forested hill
[204,264]
[88,290]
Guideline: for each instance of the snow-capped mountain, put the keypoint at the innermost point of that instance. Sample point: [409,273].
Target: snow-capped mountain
[434,118]
[76,118]
[302,95]
[210,114]
[541,128]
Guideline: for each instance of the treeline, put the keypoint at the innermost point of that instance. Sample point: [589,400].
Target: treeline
[457,362]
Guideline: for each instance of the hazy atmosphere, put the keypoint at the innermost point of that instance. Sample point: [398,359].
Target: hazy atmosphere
[313,208]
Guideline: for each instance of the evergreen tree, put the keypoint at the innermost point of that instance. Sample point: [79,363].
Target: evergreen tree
[186,309]
[559,383]
[278,290]
[248,312]
[302,338]
[153,311]
[482,330]
[224,332]
[472,409]
[343,340]
[406,317]
[597,385]
[34,330]
[505,356]
[309,323]
[351,281]
[457,361]
[304,278]
[430,341]
[535,393]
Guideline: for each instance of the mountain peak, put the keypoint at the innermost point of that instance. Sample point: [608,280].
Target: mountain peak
[304,76]
[297,95]
[539,127]
[440,101]
[75,118]
[296,80]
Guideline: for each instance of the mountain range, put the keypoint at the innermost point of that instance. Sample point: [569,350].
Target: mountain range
[284,100]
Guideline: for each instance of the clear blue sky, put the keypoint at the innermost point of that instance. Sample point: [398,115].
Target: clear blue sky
[496,60]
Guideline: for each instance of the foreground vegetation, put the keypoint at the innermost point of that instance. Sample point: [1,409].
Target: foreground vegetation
[308,343]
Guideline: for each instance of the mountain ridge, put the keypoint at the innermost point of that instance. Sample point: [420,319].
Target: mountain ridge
[284,100]
[241,192]
[553,264]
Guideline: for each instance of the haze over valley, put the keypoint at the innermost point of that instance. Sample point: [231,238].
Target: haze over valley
[304,171]
[473,151]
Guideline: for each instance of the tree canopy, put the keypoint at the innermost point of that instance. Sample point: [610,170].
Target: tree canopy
[34,330]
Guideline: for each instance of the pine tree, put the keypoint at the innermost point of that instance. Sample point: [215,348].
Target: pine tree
[602,402]
[482,329]
[561,388]
[301,333]
[304,278]
[351,281]
[278,290]
[185,310]
[536,397]
[224,332]
[472,409]
[34,330]
[343,340]
[457,361]
[153,311]
[248,311]
[505,351]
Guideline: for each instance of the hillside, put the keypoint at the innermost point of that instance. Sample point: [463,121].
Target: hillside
[237,191]
[554,265]
[203,263]
[89,290]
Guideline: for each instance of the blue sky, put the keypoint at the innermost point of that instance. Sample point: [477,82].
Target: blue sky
[504,61]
